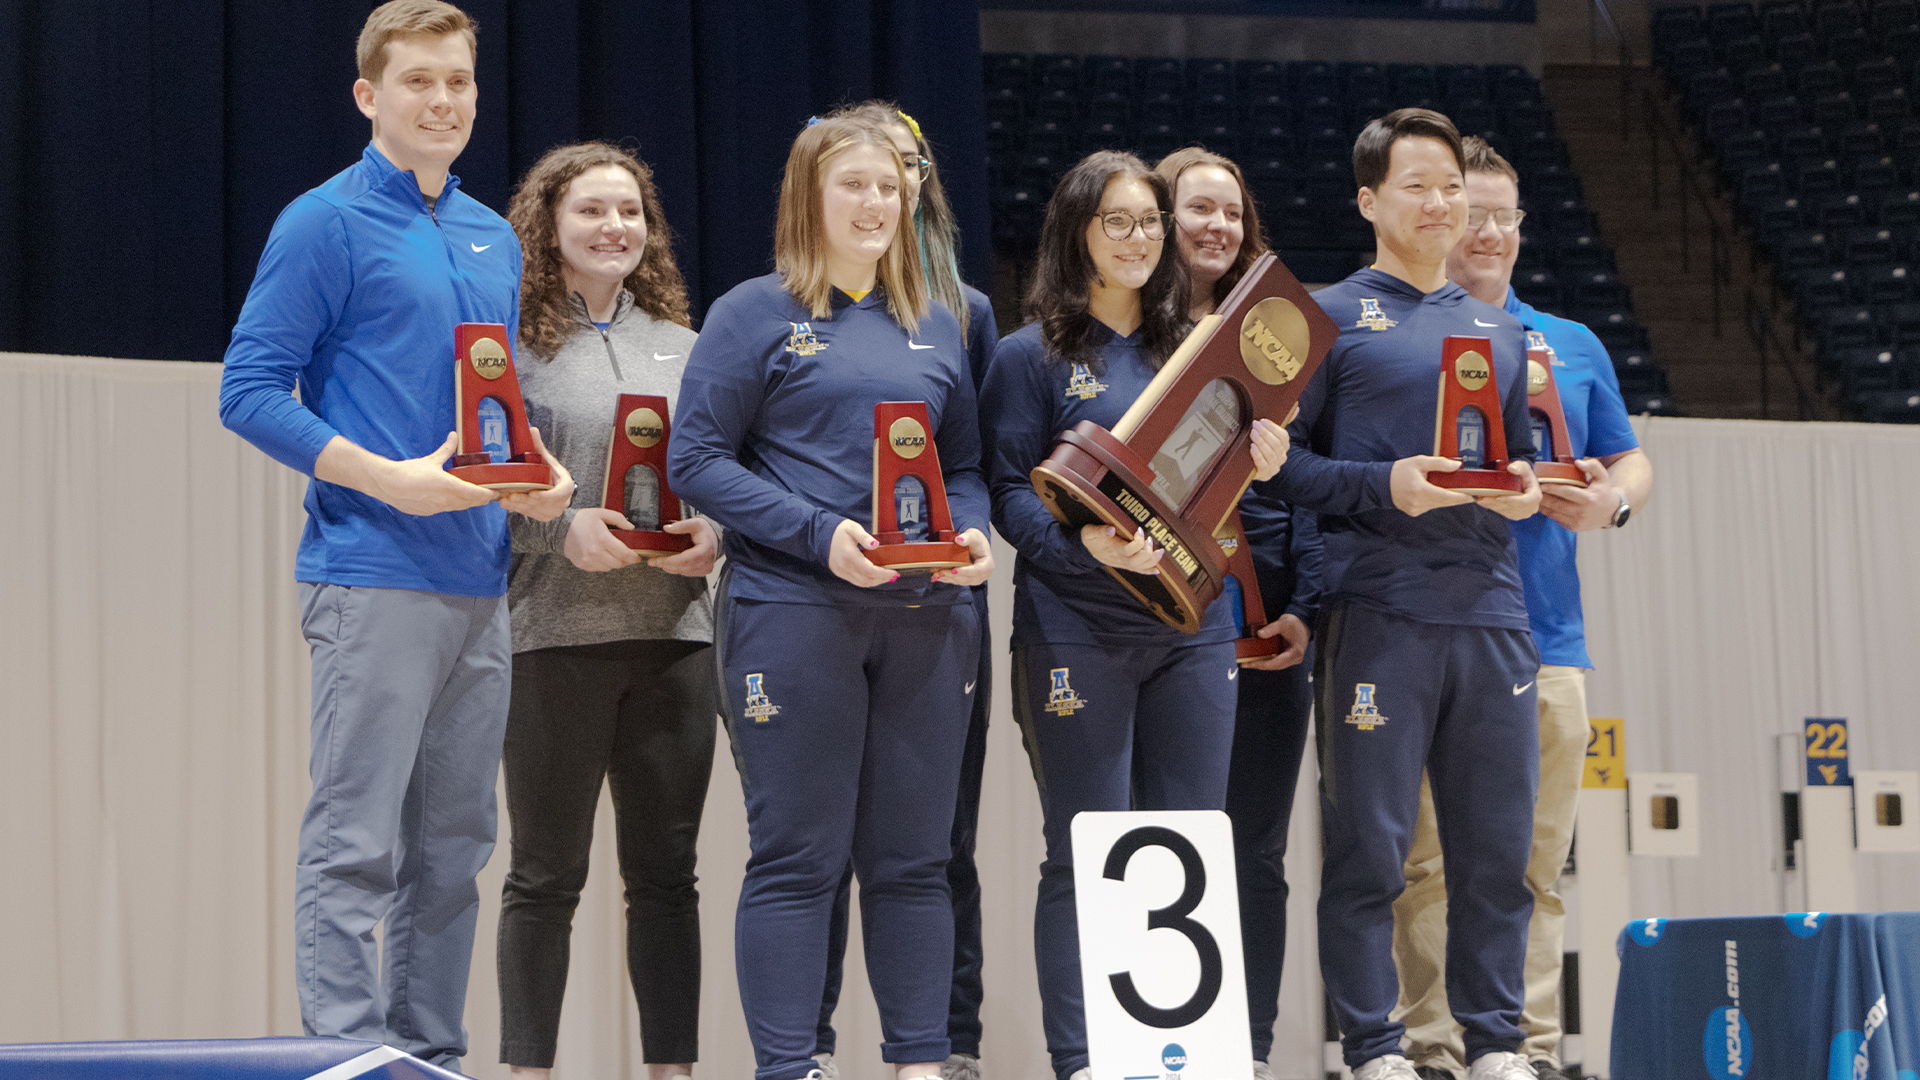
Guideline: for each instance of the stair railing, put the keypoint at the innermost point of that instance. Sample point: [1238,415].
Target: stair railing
[1760,327]
[1719,260]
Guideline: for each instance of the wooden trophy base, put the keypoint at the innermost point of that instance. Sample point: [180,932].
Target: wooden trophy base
[653,543]
[911,558]
[1092,478]
[1479,482]
[1256,648]
[1560,472]
[528,472]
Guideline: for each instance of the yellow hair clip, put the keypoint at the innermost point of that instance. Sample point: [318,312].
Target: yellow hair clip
[912,125]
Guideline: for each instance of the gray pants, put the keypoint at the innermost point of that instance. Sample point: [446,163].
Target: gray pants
[409,708]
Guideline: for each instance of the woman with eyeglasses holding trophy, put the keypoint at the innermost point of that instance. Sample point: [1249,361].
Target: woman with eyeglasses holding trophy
[1118,709]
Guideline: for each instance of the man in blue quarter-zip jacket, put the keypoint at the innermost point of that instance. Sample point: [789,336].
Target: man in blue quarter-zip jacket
[1425,662]
[402,567]
[1619,479]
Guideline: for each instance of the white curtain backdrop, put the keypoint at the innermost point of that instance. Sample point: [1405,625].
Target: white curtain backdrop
[153,723]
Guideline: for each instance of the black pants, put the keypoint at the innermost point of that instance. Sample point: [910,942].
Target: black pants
[640,714]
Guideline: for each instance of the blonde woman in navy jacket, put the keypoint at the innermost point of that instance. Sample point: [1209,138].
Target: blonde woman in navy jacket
[1119,710]
[848,686]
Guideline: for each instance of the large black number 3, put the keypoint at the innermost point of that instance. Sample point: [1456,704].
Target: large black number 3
[1171,917]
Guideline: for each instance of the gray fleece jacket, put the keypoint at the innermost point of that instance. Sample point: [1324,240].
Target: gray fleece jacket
[571,400]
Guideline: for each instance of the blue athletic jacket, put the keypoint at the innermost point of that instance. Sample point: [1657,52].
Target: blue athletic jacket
[773,434]
[1372,402]
[1062,594]
[354,302]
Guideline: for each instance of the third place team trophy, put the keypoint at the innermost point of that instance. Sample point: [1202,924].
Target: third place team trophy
[636,485]
[496,449]
[910,515]
[1467,422]
[1178,461]
[1552,448]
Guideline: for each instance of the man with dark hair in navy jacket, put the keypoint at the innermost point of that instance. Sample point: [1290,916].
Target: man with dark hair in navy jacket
[402,567]
[1425,660]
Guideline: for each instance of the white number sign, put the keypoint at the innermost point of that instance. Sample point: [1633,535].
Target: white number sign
[1160,962]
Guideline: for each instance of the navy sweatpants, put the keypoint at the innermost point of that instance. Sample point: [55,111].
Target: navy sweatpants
[963,879]
[1269,739]
[847,725]
[1088,715]
[1396,697]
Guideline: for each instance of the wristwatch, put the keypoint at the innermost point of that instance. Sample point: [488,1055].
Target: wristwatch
[1621,515]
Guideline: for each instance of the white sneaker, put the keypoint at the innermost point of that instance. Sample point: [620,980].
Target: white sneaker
[960,1067]
[828,1070]
[1500,1065]
[1388,1067]
[1262,1071]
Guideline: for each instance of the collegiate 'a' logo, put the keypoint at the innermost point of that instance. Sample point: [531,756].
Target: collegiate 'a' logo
[759,707]
[1538,340]
[1371,317]
[1364,715]
[1082,384]
[802,341]
[1061,698]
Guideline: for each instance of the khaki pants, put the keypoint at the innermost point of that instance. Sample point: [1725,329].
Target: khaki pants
[1420,915]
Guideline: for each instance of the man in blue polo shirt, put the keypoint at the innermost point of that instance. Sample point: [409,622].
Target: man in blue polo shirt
[1619,477]
[402,567]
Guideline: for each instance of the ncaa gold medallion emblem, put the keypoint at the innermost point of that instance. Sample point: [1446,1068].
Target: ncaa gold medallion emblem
[907,437]
[643,427]
[1536,377]
[1471,370]
[1273,340]
[488,358]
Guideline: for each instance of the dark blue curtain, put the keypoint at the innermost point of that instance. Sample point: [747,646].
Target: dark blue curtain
[146,148]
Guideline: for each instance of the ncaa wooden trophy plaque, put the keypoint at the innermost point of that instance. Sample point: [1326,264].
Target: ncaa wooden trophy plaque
[910,514]
[1242,584]
[636,486]
[1552,448]
[1467,422]
[496,449]
[1178,461]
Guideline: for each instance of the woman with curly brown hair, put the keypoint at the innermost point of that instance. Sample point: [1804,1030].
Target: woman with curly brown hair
[612,669]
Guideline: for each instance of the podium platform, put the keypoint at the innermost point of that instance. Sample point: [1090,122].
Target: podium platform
[1805,995]
[215,1059]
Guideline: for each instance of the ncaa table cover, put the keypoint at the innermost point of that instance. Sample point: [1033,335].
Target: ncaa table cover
[1793,997]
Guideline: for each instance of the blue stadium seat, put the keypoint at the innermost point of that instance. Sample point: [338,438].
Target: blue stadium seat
[1056,104]
[1366,81]
[1821,287]
[1211,76]
[1413,82]
[1847,327]
[1799,249]
[1835,16]
[1868,244]
[1058,71]
[1261,77]
[1889,406]
[1539,288]
[1822,78]
[1161,76]
[1875,175]
[1012,71]
[1109,74]
[1778,111]
[1110,107]
[1846,47]
[1313,78]
[1892,283]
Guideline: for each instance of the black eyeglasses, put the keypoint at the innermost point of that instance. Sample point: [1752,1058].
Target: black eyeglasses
[1507,217]
[1118,224]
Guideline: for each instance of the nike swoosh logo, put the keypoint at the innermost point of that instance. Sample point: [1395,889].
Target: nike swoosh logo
[1232,675]
[1518,690]
[669,356]
[970,686]
[1477,322]
[911,345]
[478,248]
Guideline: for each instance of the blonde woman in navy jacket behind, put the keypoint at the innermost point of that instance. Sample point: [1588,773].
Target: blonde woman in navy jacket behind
[1119,710]
[847,687]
